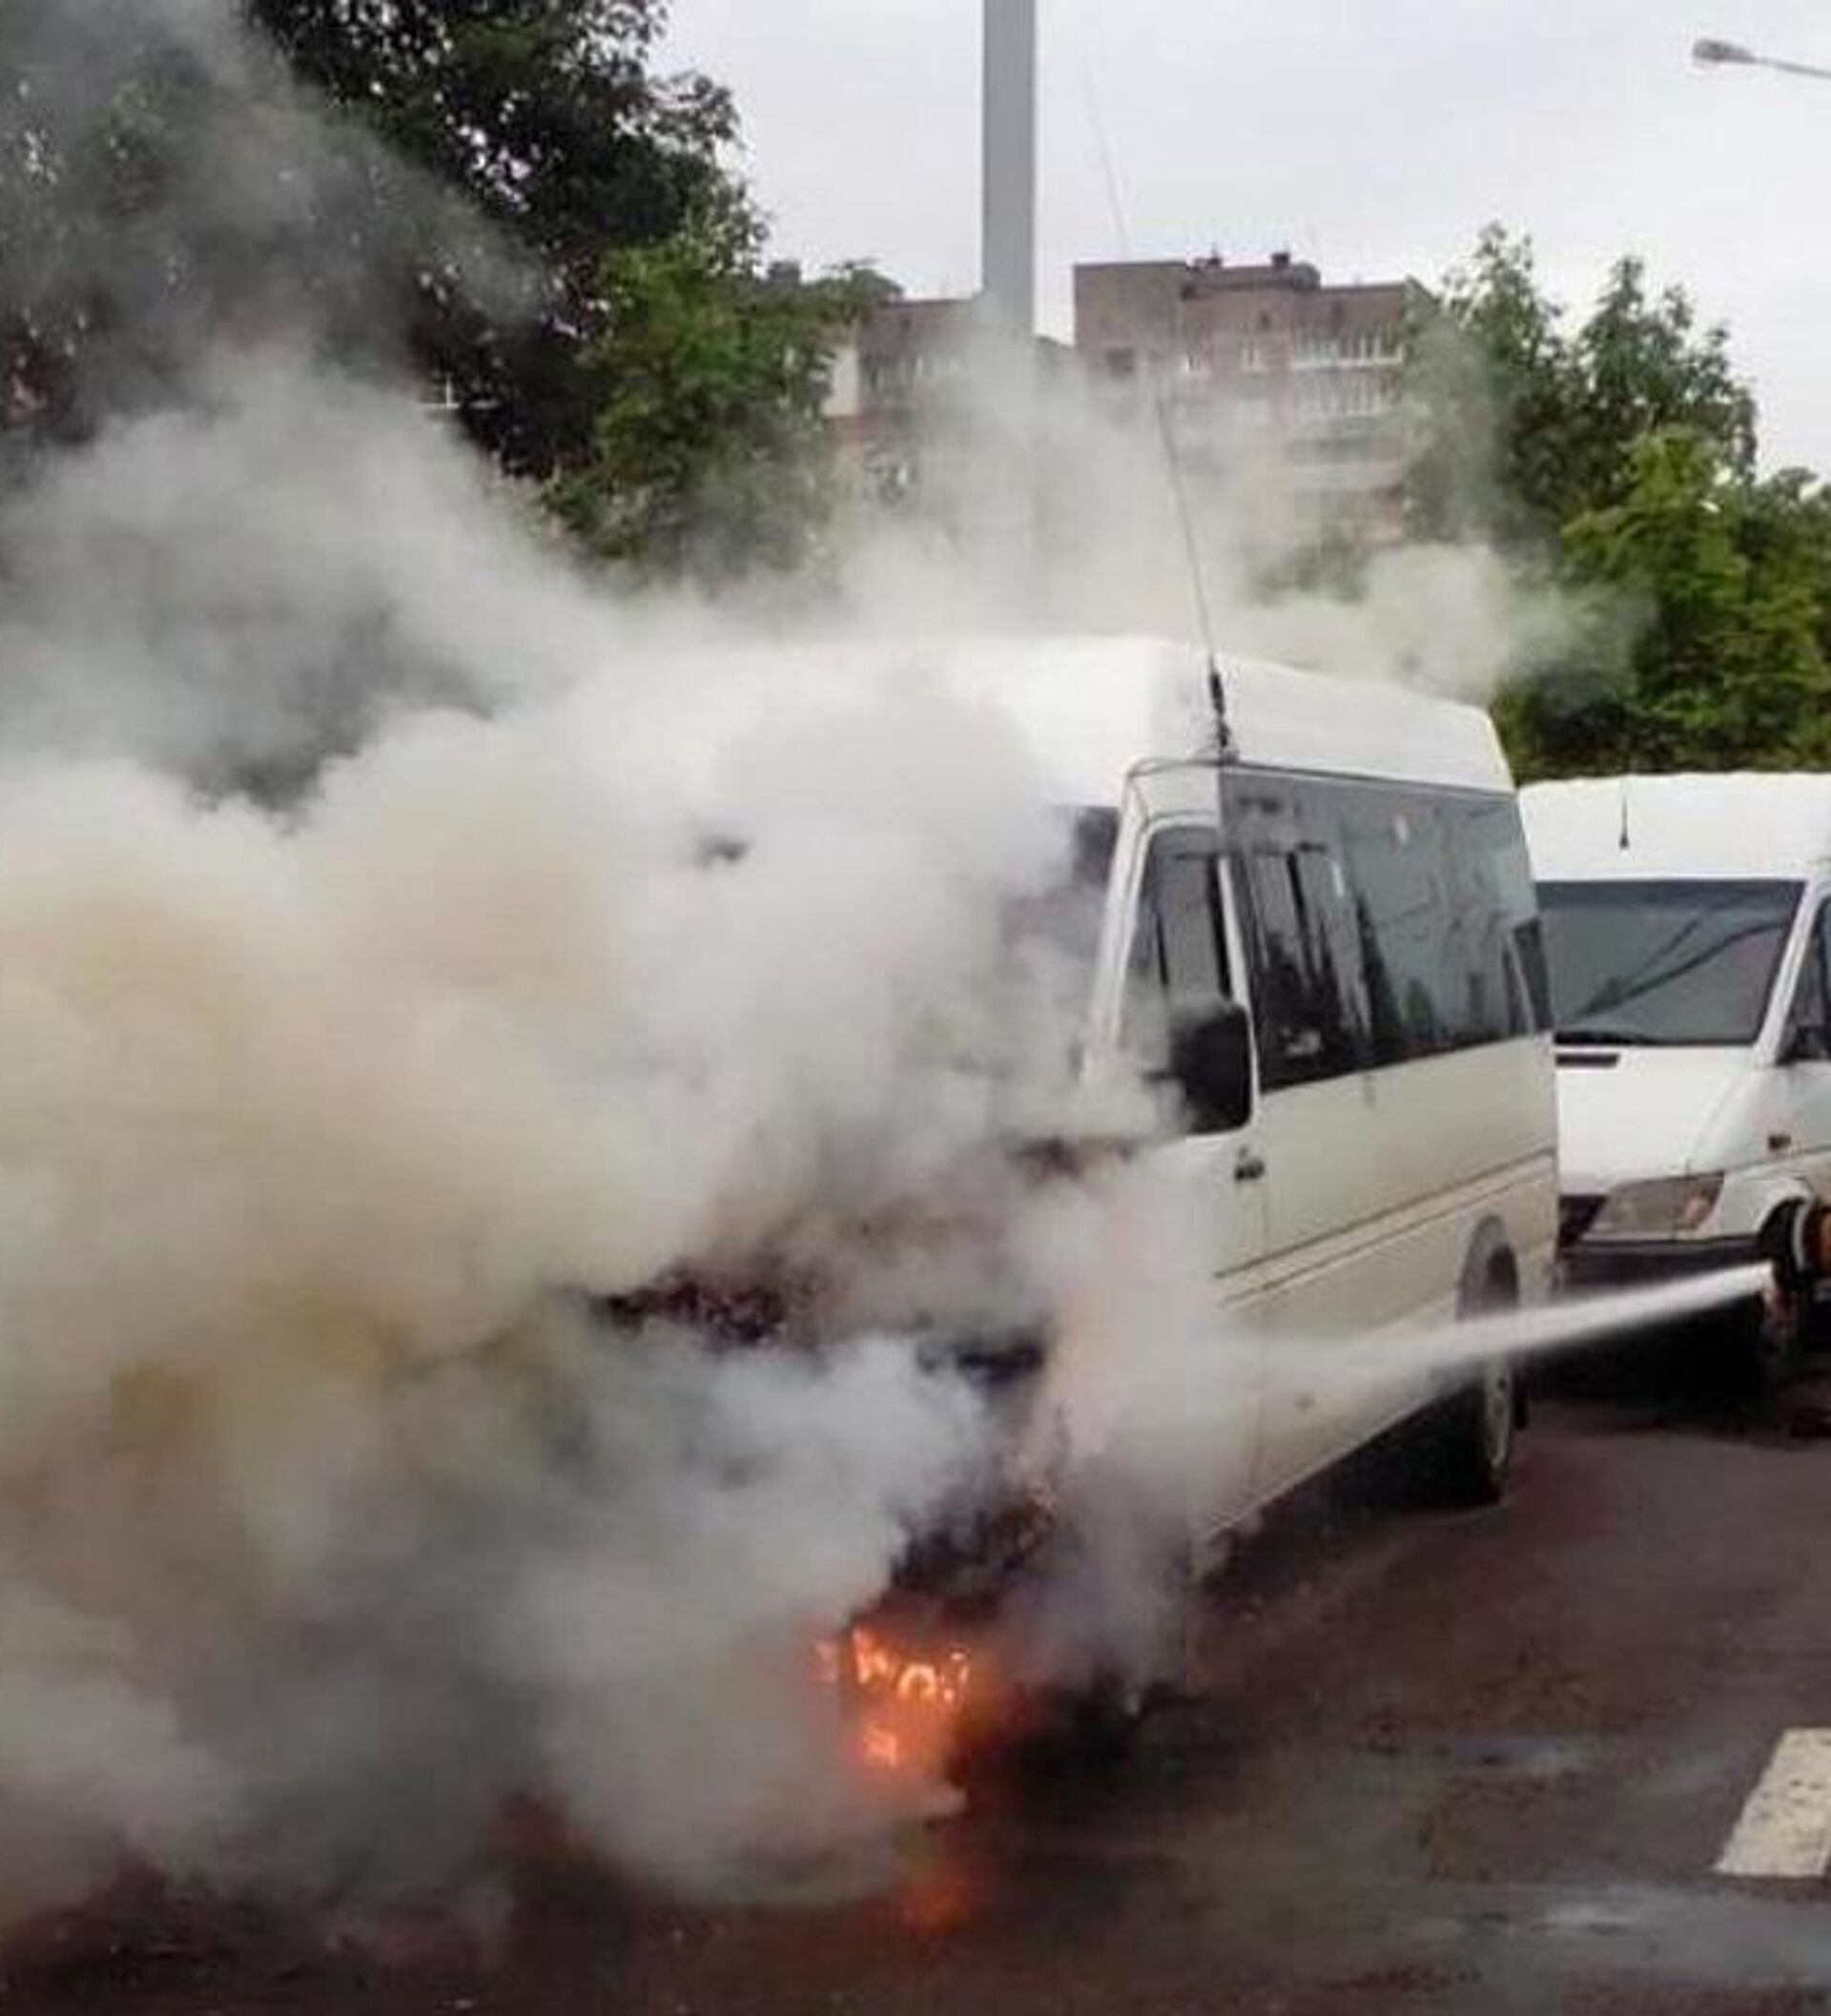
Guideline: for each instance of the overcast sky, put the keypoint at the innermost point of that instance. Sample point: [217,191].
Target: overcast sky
[1375,139]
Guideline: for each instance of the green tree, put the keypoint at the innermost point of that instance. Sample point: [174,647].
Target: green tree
[1526,424]
[710,451]
[1708,598]
[1616,459]
[1494,378]
[168,178]
[548,118]
[1643,366]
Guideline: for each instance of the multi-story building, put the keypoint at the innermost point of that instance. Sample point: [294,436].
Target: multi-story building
[924,385]
[895,384]
[1267,375]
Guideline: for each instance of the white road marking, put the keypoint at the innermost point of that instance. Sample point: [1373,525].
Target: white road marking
[1785,1827]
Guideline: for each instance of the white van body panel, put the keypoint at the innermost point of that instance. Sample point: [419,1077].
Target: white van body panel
[1637,1115]
[1384,1185]
[1651,1111]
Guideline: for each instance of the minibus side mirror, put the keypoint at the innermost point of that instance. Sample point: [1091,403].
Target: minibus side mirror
[1211,1064]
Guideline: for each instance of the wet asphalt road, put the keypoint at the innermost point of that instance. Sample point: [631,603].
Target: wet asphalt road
[1435,1762]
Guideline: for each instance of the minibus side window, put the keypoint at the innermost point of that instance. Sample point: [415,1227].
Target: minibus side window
[1309,992]
[1384,924]
[1400,864]
[1496,943]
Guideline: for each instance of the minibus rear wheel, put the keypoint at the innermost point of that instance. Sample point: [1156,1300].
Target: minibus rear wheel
[1470,1435]
[1471,1438]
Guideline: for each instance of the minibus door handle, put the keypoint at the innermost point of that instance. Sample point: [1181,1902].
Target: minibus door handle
[1249,1167]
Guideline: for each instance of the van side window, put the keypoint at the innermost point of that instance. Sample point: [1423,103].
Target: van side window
[1178,956]
[1385,924]
[1500,942]
[1400,864]
[1311,1004]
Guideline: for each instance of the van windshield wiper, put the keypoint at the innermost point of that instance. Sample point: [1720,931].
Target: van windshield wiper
[1612,1039]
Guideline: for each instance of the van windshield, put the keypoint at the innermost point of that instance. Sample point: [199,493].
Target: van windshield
[1067,915]
[1664,962]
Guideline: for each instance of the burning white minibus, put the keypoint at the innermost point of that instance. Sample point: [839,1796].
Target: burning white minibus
[1303,912]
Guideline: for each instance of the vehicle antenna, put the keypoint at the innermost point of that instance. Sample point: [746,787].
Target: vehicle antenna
[1166,428]
[1626,833]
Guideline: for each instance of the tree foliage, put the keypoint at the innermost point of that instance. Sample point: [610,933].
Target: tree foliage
[503,195]
[1492,375]
[1529,423]
[1617,460]
[1704,641]
[711,448]
[367,172]
[547,118]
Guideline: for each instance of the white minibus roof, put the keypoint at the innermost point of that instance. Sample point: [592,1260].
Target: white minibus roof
[1745,826]
[1095,707]
[1092,708]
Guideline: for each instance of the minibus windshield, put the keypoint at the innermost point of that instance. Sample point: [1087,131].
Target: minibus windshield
[1658,963]
[1065,915]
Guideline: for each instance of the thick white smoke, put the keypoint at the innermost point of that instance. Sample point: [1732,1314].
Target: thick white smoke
[236,587]
[1048,502]
[336,1517]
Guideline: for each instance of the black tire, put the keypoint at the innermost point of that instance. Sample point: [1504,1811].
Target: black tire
[1468,1439]
[1773,1335]
[1766,1344]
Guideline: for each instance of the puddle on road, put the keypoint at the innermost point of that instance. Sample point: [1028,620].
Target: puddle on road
[1536,1760]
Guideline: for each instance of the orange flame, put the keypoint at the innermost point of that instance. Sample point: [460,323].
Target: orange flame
[914,1704]
[880,1747]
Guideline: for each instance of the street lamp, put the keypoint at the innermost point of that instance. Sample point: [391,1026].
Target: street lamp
[1719,55]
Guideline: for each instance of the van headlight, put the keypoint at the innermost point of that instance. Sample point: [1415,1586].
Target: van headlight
[1669,1208]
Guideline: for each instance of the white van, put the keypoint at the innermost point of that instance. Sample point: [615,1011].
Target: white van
[1310,905]
[1304,905]
[1686,934]
[1322,887]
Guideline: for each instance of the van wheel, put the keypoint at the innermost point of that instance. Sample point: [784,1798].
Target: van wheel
[1767,1341]
[1470,1438]
[1774,1337]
